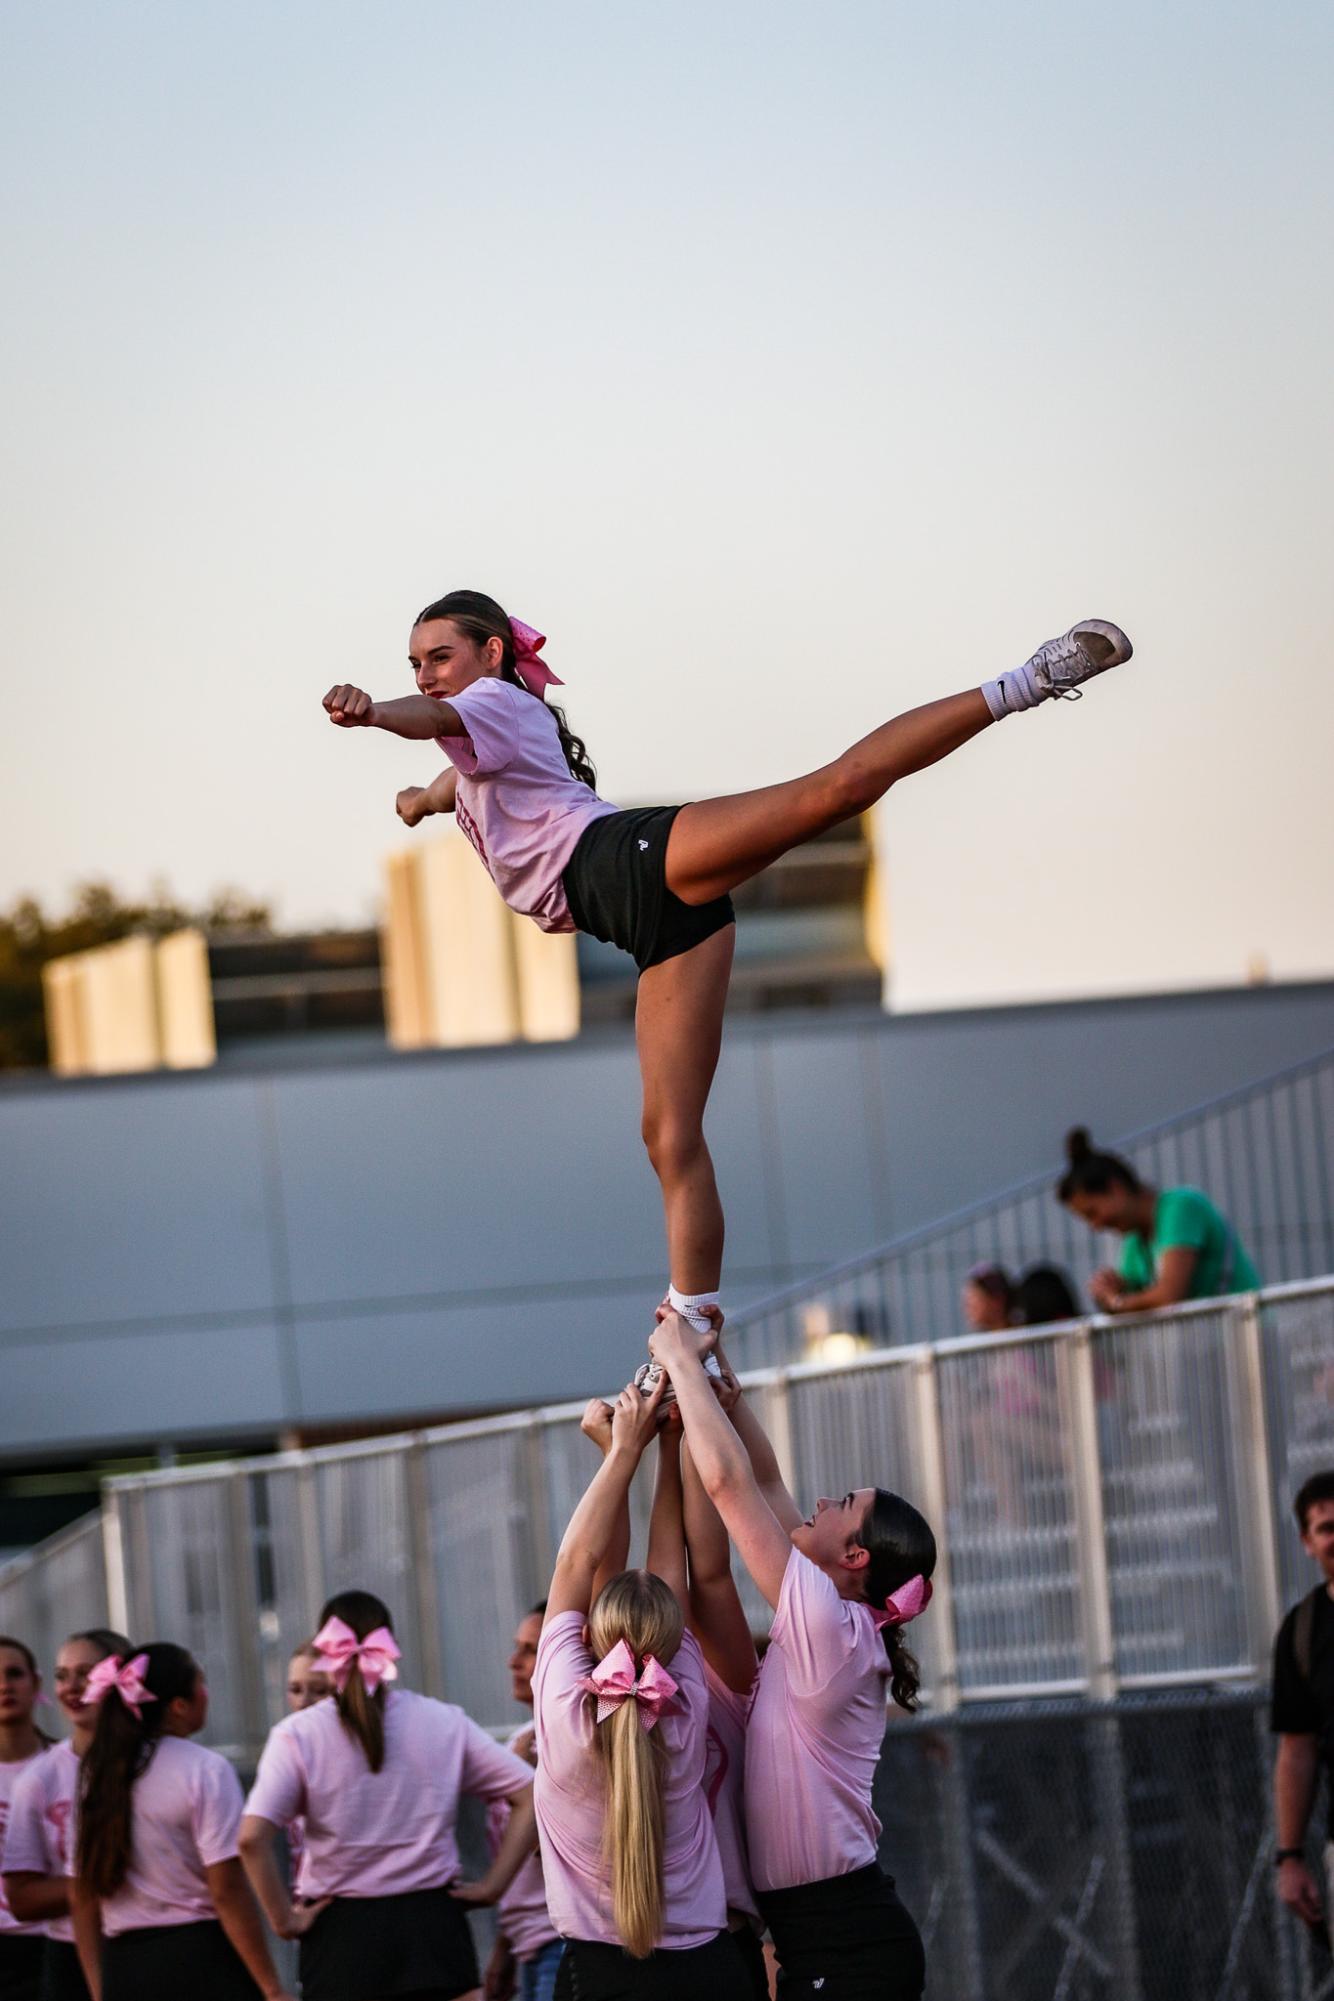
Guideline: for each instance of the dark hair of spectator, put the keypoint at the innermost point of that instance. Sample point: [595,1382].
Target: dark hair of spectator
[1091,1172]
[901,1547]
[122,1746]
[538,1611]
[995,1281]
[1320,1487]
[1044,1294]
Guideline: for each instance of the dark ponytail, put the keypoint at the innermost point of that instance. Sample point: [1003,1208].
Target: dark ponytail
[1093,1173]
[360,1712]
[901,1546]
[482,619]
[122,1747]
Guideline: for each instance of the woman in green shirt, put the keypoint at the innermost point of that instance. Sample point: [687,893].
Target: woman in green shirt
[1177,1244]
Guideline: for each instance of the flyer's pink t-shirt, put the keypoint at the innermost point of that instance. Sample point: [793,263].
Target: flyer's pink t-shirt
[517,799]
[817,1720]
[724,1789]
[9,1779]
[36,1836]
[186,1813]
[522,1913]
[571,1800]
[380,1834]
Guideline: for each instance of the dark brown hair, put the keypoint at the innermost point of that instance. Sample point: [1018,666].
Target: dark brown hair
[482,619]
[121,1751]
[1093,1173]
[901,1546]
[1320,1487]
[360,1712]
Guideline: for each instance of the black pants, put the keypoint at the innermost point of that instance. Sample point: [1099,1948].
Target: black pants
[197,1962]
[62,1975]
[847,1938]
[591,1971]
[21,1957]
[415,1947]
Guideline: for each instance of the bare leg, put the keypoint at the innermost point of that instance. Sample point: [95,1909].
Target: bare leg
[678,1029]
[715,844]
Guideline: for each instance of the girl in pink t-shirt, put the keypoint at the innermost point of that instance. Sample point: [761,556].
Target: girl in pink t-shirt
[21,1745]
[842,1583]
[377,1776]
[160,1901]
[634,1880]
[37,1838]
[657,880]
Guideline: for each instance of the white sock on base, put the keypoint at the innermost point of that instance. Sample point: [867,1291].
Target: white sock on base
[690,1306]
[1011,692]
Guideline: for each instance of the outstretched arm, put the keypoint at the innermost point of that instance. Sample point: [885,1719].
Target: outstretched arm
[419,717]
[666,1533]
[716,1617]
[593,1523]
[764,1460]
[723,1462]
[596,1424]
[416,803]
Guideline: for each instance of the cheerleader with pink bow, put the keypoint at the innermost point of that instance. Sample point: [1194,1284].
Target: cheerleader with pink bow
[843,1582]
[160,1901]
[377,1776]
[656,880]
[634,1879]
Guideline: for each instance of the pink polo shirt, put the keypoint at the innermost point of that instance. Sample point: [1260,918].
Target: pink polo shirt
[186,1814]
[817,1720]
[724,1788]
[380,1834]
[10,1776]
[571,1799]
[37,1832]
[517,799]
[522,1913]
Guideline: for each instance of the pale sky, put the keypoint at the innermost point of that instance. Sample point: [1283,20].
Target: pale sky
[787,365]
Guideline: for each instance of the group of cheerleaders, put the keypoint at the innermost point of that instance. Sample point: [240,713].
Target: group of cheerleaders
[682,1798]
[674,1799]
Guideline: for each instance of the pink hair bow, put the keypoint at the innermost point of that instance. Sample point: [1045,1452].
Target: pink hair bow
[903,1604]
[126,1677]
[340,1651]
[613,1681]
[534,673]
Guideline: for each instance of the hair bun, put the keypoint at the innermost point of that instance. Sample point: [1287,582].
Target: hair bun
[1078,1145]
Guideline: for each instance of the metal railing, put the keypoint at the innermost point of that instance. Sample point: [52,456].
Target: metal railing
[1263,1153]
[1112,1499]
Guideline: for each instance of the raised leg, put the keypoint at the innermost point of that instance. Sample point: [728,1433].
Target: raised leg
[716,844]
[678,1029]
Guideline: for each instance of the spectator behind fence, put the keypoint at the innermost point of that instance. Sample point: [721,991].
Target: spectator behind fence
[1303,1709]
[988,1299]
[1177,1244]
[1044,1294]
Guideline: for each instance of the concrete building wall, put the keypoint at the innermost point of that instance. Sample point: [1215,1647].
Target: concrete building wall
[406,1235]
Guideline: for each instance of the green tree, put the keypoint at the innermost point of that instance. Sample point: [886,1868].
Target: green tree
[98,916]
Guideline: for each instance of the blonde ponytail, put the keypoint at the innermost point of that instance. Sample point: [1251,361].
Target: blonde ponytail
[641,1610]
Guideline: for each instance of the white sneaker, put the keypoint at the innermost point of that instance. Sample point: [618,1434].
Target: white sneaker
[647,1374]
[1091,647]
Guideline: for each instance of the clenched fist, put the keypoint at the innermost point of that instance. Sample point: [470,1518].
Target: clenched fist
[351,708]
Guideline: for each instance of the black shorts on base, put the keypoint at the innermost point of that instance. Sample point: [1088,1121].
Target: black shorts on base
[751,1947]
[374,1948]
[62,1975]
[592,1971]
[848,1938]
[198,1962]
[616,885]
[21,1966]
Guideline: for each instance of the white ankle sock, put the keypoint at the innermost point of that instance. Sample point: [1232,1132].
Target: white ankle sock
[1011,692]
[691,1305]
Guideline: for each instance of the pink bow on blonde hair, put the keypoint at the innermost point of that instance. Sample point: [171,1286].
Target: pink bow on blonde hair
[340,1651]
[613,1681]
[903,1604]
[534,673]
[126,1677]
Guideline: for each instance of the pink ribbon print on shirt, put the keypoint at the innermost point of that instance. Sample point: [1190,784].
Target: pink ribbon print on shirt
[340,1651]
[614,1681]
[534,673]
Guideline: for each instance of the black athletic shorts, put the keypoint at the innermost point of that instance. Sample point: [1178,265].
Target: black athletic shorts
[598,1972]
[847,1938]
[62,1975]
[196,1961]
[369,1948]
[616,886]
[21,1957]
